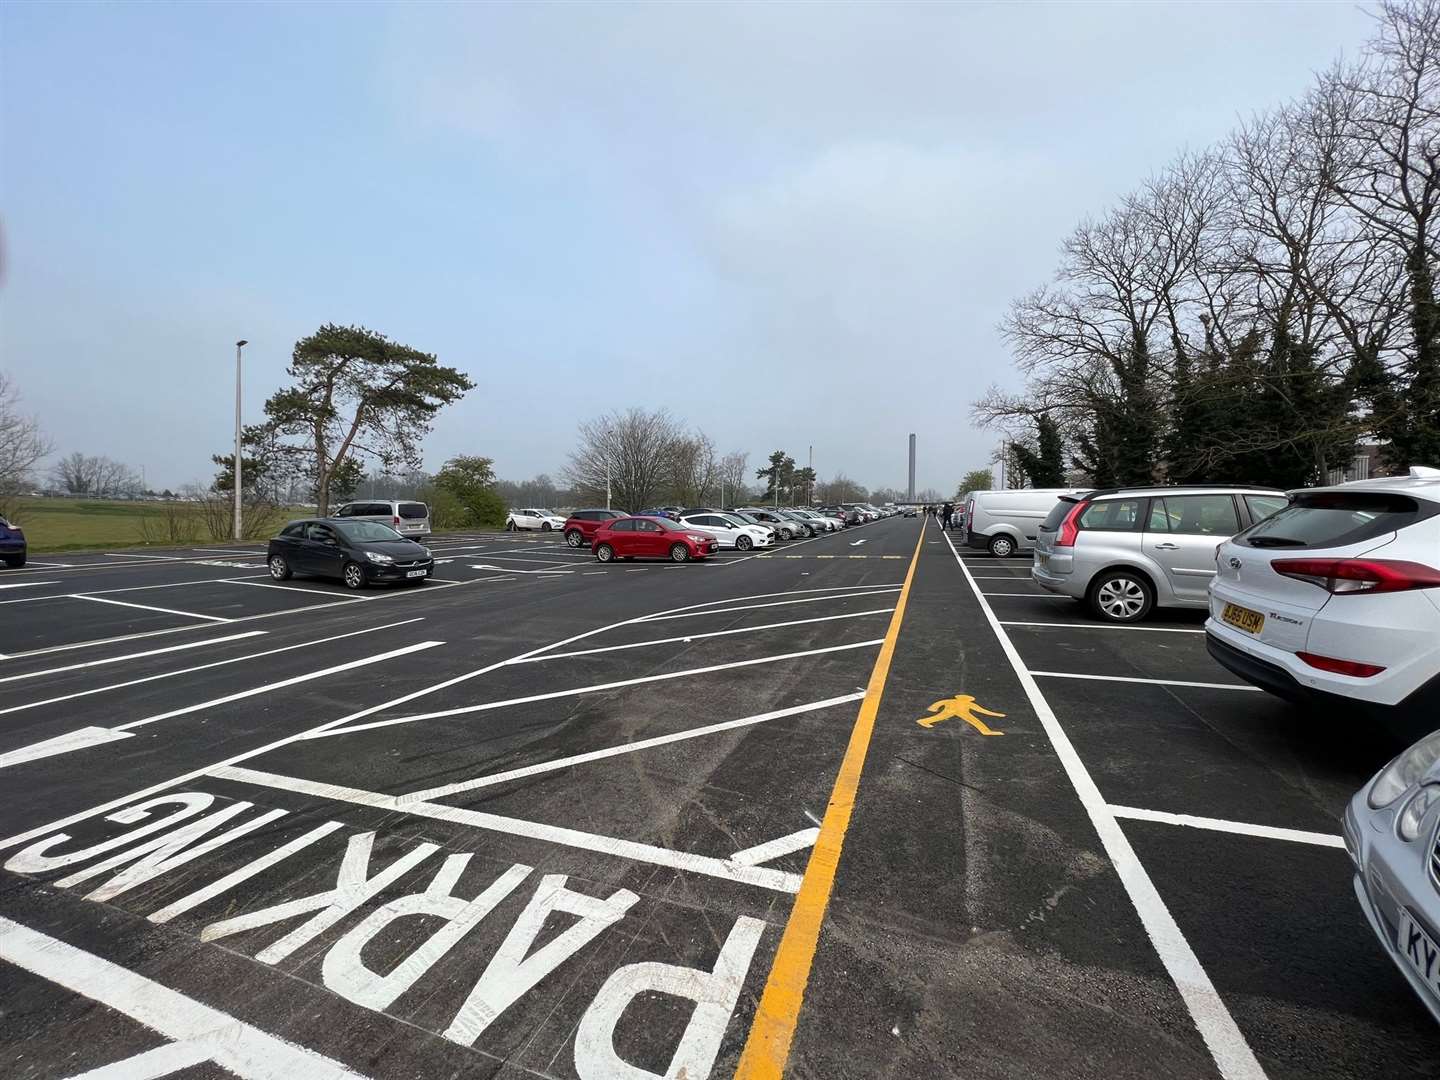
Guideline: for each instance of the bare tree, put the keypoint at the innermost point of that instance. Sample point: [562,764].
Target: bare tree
[22,445]
[839,488]
[732,475]
[629,451]
[692,469]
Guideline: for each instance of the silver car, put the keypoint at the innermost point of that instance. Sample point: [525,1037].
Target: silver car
[1127,551]
[1391,828]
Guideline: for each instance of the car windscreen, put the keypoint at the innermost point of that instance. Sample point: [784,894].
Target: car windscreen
[361,531]
[1057,515]
[1337,519]
[411,511]
[733,519]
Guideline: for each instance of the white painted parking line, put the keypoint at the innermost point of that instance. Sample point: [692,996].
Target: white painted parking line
[147,607]
[466,710]
[253,552]
[696,637]
[133,656]
[624,748]
[197,1032]
[79,739]
[1152,682]
[1226,1043]
[1030,595]
[26,584]
[517,570]
[754,607]
[1104,626]
[199,667]
[50,565]
[295,680]
[133,555]
[287,588]
[778,880]
[773,849]
[1239,828]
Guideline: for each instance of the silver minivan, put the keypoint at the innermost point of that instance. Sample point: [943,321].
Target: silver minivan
[407,518]
[1005,522]
[1126,551]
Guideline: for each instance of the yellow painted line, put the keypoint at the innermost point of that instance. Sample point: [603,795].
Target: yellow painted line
[768,1045]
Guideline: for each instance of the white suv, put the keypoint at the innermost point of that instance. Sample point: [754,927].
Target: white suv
[1337,598]
[544,520]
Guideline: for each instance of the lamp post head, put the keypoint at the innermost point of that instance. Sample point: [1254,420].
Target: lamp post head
[241,342]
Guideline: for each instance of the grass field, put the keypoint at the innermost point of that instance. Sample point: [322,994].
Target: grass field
[84,524]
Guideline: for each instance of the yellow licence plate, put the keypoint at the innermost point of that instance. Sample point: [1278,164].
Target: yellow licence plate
[1250,621]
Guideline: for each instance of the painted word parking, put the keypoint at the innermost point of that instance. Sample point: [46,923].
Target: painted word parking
[748,817]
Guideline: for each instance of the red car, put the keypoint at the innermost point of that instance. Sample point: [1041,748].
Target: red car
[581,526]
[650,538]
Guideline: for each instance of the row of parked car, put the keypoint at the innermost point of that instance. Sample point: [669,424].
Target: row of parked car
[1328,597]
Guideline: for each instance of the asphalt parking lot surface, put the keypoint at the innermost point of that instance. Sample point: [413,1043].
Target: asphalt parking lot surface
[866,805]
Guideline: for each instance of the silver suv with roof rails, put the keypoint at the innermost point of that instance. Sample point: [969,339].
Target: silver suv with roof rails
[1127,551]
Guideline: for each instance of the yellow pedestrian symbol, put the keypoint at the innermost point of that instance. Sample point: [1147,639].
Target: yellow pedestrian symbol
[963,707]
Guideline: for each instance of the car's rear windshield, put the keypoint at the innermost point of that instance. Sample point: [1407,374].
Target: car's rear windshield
[1057,515]
[414,510]
[1337,519]
[367,530]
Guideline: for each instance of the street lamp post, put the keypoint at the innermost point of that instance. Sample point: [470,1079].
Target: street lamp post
[238,346]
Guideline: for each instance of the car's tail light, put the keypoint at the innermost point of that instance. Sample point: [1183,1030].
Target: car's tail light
[397,520]
[1070,527]
[1340,576]
[1353,668]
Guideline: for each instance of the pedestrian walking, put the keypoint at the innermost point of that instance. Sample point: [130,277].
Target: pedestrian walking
[946,511]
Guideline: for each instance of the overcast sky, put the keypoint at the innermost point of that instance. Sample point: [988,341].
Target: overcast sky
[789,224]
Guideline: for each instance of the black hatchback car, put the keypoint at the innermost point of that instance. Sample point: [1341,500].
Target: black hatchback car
[356,552]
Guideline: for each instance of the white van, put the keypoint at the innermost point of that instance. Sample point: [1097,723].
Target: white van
[1005,522]
[408,518]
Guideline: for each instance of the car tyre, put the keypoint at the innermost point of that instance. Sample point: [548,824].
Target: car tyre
[545,526]
[1121,596]
[509,526]
[353,575]
[1002,547]
[679,553]
[280,568]
[575,538]
[743,543]
[14,562]
[604,553]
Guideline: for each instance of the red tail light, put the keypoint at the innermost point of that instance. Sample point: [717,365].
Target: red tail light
[397,520]
[1070,527]
[1341,576]
[1353,668]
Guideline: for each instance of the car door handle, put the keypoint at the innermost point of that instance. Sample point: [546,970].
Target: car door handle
[1167,547]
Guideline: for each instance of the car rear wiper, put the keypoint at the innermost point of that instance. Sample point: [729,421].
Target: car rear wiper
[1274,541]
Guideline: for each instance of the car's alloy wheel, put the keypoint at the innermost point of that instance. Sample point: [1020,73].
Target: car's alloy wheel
[604,553]
[279,568]
[1121,597]
[353,575]
[545,526]
[1002,547]
[14,561]
[743,543]
[574,538]
[509,526]
[679,553]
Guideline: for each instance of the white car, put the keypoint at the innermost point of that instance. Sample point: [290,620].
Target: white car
[544,520]
[730,531]
[1336,598]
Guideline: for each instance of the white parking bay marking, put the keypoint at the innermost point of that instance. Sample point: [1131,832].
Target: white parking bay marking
[133,656]
[466,710]
[201,667]
[1153,682]
[1239,828]
[783,845]
[516,570]
[778,880]
[624,748]
[696,637]
[775,603]
[1227,1045]
[62,744]
[197,1032]
[147,607]
[1101,626]
[265,688]
[26,584]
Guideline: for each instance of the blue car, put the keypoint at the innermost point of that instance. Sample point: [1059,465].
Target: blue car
[12,544]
